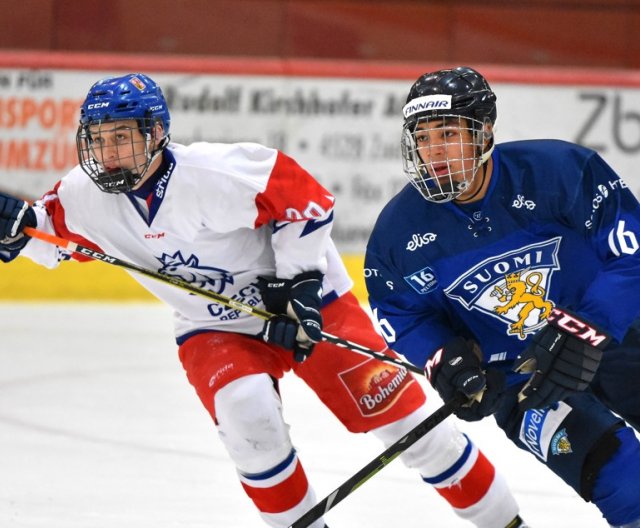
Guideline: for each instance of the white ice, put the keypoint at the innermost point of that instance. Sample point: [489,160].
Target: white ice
[99,428]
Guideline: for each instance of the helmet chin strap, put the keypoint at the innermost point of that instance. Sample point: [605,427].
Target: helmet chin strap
[153,157]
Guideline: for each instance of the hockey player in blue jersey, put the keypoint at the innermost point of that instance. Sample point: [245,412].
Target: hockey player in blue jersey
[510,272]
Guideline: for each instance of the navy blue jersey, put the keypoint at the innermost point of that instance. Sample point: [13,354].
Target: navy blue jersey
[557,227]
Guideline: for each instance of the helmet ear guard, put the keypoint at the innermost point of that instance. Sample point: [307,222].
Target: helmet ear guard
[486,140]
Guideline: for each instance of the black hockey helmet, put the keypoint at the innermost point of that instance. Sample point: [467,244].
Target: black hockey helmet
[471,96]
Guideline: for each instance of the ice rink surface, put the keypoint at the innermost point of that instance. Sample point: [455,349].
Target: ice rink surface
[99,428]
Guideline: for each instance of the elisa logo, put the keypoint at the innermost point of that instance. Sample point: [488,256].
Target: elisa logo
[417,241]
[519,202]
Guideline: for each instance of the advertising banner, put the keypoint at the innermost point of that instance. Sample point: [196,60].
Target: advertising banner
[344,131]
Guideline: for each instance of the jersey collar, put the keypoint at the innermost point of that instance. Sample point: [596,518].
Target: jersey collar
[148,198]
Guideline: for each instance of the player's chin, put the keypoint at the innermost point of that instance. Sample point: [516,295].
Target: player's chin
[443,184]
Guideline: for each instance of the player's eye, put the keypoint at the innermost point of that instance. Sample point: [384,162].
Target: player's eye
[121,137]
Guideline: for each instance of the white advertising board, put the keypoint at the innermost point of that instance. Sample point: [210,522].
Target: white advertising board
[344,131]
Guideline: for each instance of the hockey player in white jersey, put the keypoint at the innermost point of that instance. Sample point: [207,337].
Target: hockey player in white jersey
[248,222]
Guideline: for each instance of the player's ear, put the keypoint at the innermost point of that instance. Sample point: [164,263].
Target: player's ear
[488,132]
[157,133]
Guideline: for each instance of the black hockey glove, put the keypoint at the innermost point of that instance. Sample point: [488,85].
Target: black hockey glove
[296,302]
[456,368]
[15,215]
[562,358]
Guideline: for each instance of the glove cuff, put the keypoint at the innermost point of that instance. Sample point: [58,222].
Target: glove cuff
[307,275]
[18,242]
[453,357]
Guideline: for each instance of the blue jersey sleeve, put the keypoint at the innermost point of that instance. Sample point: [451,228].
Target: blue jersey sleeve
[608,215]
[411,323]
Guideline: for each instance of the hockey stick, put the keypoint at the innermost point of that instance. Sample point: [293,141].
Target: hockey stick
[378,463]
[217,297]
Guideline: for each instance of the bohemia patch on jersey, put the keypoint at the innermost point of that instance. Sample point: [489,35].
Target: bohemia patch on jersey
[375,386]
[511,287]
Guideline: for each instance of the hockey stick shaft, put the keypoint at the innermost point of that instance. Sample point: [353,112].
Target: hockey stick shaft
[378,463]
[217,297]
[102,257]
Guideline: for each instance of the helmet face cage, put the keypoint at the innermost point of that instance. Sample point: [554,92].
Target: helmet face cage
[441,155]
[129,153]
[447,136]
[127,110]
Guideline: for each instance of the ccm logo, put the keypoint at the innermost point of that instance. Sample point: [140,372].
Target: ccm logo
[152,235]
[97,105]
[577,328]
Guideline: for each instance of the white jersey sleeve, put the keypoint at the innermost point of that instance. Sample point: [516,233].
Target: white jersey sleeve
[218,217]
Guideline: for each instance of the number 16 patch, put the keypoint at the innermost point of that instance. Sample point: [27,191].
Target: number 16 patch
[422,281]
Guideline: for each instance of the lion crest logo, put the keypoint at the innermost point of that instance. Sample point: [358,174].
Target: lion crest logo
[522,291]
[190,270]
[512,287]
[560,444]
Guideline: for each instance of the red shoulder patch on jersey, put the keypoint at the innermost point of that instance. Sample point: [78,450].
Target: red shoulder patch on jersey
[292,194]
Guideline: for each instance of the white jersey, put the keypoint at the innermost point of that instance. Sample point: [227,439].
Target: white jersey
[216,215]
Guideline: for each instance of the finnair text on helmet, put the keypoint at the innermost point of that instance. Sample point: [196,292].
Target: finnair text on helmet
[425,103]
